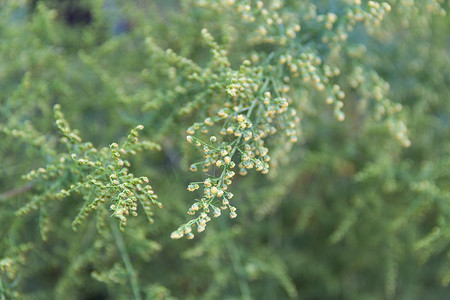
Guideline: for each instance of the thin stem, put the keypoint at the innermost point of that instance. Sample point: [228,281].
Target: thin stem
[2,291]
[126,260]
[14,192]
[243,284]
[206,144]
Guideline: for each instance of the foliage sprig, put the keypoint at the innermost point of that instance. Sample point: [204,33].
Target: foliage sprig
[101,176]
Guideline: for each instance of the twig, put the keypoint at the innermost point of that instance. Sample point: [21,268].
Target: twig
[235,261]
[14,192]
[2,292]
[126,260]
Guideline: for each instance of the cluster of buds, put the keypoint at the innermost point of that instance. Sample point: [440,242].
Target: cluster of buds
[102,172]
[244,129]
[256,100]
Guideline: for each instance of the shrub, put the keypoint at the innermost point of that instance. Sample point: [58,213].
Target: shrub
[312,137]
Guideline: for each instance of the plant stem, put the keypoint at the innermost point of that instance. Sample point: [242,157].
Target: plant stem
[126,260]
[15,192]
[234,255]
[2,292]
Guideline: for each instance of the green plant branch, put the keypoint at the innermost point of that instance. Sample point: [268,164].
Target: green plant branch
[243,284]
[2,291]
[15,192]
[126,260]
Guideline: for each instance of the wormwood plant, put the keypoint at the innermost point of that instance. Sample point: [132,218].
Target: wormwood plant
[320,128]
[100,175]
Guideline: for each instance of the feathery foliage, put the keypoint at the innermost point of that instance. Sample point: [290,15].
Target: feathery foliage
[313,138]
